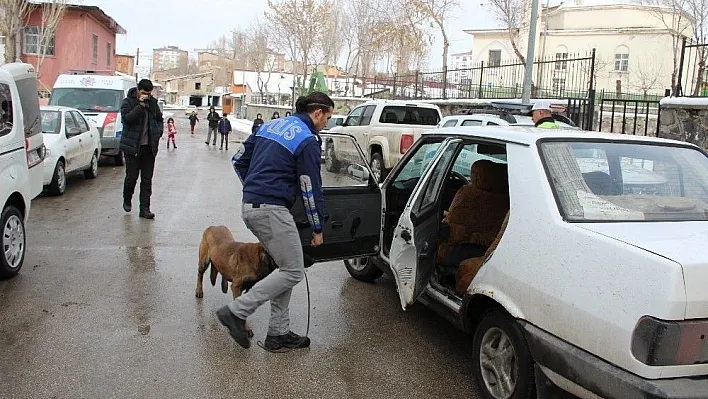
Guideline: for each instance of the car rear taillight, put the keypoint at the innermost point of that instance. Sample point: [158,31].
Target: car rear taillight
[670,343]
[406,142]
[109,125]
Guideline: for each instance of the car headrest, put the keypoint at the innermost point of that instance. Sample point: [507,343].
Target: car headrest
[490,176]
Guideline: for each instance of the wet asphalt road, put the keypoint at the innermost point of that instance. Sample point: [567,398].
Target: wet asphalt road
[104,306]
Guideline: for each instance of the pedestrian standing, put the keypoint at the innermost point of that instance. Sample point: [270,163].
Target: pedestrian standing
[142,131]
[542,115]
[193,119]
[276,161]
[213,119]
[171,132]
[257,123]
[224,130]
[287,113]
[275,115]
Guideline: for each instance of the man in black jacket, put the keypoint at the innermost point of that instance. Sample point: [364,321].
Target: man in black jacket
[213,119]
[142,130]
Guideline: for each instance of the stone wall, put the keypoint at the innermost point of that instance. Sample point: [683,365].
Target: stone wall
[252,110]
[685,119]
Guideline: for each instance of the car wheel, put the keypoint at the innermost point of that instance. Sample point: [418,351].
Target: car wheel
[377,167]
[12,251]
[363,269]
[119,159]
[331,162]
[502,364]
[58,184]
[92,171]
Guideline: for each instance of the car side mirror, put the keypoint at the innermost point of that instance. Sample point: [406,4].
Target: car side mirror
[73,131]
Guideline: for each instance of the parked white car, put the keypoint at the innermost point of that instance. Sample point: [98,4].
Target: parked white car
[385,130]
[190,110]
[575,259]
[21,154]
[334,121]
[73,145]
[493,120]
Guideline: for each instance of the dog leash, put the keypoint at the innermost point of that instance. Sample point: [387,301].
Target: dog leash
[307,331]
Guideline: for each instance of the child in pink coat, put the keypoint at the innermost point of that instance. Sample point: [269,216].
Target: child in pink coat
[171,131]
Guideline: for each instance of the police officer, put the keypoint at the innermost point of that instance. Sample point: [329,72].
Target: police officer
[542,116]
[280,161]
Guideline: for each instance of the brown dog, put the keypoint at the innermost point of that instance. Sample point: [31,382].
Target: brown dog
[242,264]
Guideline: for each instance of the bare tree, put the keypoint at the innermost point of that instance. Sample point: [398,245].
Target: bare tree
[292,22]
[438,11]
[511,14]
[259,56]
[646,76]
[698,10]
[12,18]
[332,38]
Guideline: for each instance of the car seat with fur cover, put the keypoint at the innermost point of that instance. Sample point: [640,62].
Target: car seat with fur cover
[470,267]
[477,211]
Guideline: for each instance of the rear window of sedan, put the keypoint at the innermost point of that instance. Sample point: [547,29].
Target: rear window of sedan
[51,122]
[613,181]
[409,115]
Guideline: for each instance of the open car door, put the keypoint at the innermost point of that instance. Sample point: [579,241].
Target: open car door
[352,202]
[415,238]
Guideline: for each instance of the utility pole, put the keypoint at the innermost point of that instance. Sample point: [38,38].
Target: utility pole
[530,51]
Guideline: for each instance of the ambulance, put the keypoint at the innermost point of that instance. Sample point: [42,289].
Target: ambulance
[98,96]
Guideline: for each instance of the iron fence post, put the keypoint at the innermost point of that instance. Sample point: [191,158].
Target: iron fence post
[415,93]
[591,110]
[395,75]
[481,77]
[678,92]
[444,82]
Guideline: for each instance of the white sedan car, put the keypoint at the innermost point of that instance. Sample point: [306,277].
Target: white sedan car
[576,260]
[73,145]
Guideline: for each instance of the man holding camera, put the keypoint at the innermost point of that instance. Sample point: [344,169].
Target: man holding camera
[142,130]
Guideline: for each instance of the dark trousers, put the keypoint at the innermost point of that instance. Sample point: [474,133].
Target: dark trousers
[143,166]
[224,137]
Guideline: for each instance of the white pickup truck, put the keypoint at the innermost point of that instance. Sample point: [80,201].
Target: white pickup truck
[384,129]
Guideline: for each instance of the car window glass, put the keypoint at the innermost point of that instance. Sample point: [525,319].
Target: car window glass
[469,155]
[415,166]
[436,179]
[492,124]
[81,122]
[6,119]
[472,122]
[366,116]
[450,123]
[51,122]
[27,89]
[68,123]
[354,117]
[409,115]
[342,164]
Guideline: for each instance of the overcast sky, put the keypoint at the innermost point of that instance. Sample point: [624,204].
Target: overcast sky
[192,24]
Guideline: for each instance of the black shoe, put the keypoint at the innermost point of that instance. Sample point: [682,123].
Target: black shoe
[285,342]
[174,146]
[126,206]
[147,214]
[221,148]
[236,326]
[206,142]
[214,143]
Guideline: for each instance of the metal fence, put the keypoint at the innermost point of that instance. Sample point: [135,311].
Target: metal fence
[691,78]
[559,76]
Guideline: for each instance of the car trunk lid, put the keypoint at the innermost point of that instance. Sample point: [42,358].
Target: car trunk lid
[681,242]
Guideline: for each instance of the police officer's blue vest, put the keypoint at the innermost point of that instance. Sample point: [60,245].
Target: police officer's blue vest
[289,132]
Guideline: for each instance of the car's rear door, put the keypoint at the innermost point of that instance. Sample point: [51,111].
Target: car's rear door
[412,255]
[352,202]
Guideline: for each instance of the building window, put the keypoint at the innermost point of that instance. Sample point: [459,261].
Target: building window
[622,59]
[494,58]
[197,86]
[31,41]
[558,86]
[109,53]
[561,61]
[95,49]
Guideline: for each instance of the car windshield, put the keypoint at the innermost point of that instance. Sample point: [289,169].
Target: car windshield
[409,115]
[606,181]
[89,100]
[50,122]
[336,121]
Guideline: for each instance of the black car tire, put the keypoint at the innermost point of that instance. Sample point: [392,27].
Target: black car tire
[10,212]
[363,269]
[377,157]
[495,323]
[92,171]
[56,186]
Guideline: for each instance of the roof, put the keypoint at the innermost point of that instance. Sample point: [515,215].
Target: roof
[529,135]
[95,12]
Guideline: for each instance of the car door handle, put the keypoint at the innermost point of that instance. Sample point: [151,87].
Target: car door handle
[337,225]
[424,251]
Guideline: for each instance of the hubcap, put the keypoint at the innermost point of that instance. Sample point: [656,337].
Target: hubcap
[376,169]
[13,241]
[358,264]
[61,178]
[497,358]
